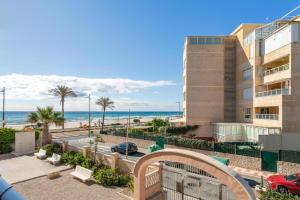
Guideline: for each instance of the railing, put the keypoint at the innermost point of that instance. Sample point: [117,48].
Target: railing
[267,116]
[276,69]
[152,178]
[283,91]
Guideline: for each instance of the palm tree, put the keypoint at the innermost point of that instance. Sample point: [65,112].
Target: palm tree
[63,91]
[105,103]
[45,116]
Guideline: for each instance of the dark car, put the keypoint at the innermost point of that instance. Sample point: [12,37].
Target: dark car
[281,183]
[121,148]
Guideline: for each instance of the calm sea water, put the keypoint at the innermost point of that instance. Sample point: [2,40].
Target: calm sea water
[20,117]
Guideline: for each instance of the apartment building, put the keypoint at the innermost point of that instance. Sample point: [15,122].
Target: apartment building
[246,84]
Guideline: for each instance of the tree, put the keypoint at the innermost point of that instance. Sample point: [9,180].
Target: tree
[62,92]
[105,103]
[45,116]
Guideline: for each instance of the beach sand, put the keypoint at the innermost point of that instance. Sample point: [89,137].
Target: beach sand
[76,124]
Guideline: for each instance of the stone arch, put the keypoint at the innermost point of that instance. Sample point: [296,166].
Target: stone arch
[224,174]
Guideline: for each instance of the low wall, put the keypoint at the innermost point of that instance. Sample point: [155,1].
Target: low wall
[287,167]
[235,160]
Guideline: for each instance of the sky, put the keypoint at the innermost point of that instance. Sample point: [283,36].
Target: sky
[128,50]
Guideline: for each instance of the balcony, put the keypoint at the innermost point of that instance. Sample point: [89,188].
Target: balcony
[280,73]
[276,69]
[281,91]
[267,116]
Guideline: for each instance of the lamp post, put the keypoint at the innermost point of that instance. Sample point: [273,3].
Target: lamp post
[178,108]
[128,126]
[89,115]
[3,107]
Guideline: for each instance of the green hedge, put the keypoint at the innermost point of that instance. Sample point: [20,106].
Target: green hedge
[189,143]
[180,130]
[7,136]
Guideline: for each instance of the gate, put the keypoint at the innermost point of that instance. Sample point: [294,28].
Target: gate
[269,161]
[184,182]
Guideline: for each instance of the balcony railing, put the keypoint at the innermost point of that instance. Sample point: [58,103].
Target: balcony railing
[267,116]
[283,91]
[276,69]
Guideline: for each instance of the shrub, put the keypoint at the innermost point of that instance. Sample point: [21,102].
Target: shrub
[180,130]
[135,131]
[52,148]
[7,135]
[189,143]
[156,123]
[5,148]
[74,158]
[111,177]
[136,120]
[274,195]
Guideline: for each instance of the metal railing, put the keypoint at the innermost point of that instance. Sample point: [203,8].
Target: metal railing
[281,91]
[267,116]
[276,69]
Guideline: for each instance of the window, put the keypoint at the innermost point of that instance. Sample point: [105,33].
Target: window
[247,93]
[247,113]
[247,74]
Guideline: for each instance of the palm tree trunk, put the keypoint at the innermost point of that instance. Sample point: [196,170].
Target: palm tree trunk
[45,134]
[102,124]
[63,112]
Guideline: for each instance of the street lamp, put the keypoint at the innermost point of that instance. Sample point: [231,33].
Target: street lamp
[3,108]
[89,115]
[178,108]
[128,126]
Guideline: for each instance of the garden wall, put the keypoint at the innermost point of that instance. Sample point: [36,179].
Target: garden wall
[287,167]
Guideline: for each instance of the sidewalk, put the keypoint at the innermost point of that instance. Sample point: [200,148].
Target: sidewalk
[251,173]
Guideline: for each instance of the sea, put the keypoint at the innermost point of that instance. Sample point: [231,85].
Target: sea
[16,117]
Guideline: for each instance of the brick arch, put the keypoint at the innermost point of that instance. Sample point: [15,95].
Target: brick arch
[224,174]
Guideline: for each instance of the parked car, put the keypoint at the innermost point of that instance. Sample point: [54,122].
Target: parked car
[121,148]
[283,184]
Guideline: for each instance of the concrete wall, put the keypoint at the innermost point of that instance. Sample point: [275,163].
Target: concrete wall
[24,143]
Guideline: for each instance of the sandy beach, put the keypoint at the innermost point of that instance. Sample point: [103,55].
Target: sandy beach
[95,122]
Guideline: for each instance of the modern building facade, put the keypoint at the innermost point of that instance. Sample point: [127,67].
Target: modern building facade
[246,84]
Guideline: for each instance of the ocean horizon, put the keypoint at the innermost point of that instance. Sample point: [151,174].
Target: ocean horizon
[19,117]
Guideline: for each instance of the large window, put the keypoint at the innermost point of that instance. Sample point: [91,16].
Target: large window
[247,113]
[248,93]
[247,74]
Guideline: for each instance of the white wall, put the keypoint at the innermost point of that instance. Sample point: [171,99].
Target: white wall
[281,38]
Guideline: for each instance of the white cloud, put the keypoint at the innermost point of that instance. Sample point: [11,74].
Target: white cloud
[35,87]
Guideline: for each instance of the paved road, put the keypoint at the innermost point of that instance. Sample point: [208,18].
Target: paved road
[82,141]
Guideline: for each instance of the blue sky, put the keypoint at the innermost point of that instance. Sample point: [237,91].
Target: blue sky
[133,40]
